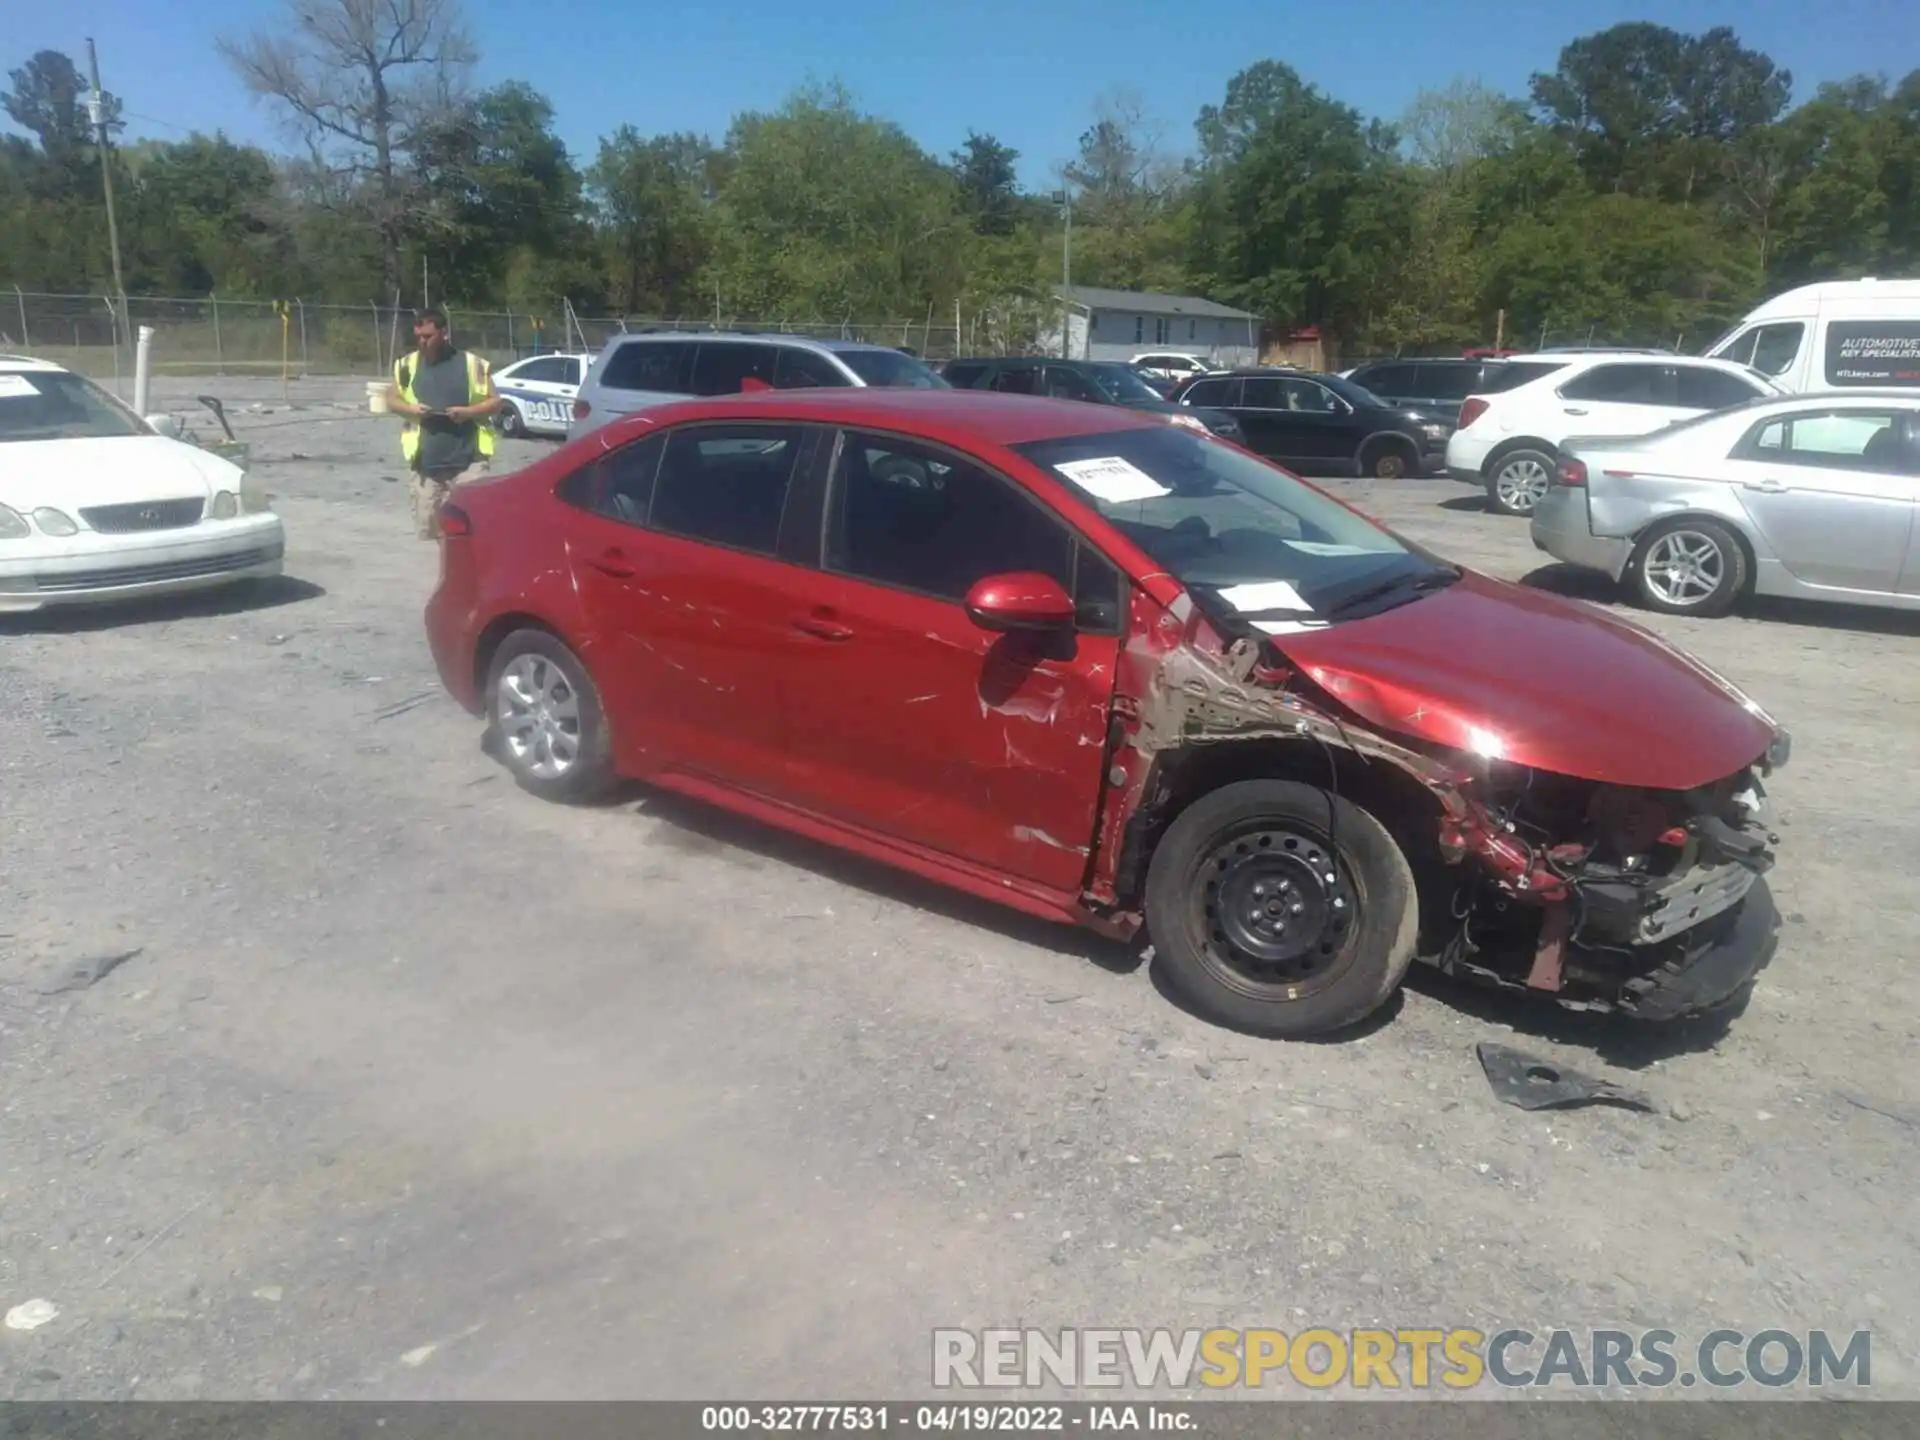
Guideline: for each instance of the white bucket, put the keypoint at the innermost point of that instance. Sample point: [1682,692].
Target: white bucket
[377,396]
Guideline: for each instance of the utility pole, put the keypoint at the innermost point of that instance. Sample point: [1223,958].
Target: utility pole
[97,112]
[1065,198]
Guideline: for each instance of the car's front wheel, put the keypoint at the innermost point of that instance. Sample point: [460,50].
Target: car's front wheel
[545,718]
[1689,566]
[1518,481]
[1280,909]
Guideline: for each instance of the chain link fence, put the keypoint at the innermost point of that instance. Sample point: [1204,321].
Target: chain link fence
[215,336]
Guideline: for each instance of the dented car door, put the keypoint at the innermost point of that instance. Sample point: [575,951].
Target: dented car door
[905,717]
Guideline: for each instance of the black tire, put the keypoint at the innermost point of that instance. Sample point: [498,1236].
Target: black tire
[1504,477]
[1356,936]
[1717,572]
[564,683]
[1385,460]
[512,424]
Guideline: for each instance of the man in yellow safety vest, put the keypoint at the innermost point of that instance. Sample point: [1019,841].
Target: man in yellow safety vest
[446,396]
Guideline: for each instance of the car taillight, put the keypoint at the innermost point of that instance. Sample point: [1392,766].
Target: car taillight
[1471,411]
[1572,472]
[455,521]
[581,409]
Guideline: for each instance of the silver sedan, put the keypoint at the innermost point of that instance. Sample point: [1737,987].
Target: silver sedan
[1812,497]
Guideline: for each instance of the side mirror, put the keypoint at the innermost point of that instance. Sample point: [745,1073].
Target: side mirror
[167,425]
[1020,601]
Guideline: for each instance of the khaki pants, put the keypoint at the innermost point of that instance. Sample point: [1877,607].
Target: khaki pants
[429,493]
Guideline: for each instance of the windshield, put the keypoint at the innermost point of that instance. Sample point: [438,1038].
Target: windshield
[1353,394]
[891,370]
[59,405]
[1242,535]
[1123,382]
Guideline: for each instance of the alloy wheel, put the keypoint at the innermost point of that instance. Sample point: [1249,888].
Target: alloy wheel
[1521,484]
[1684,567]
[538,712]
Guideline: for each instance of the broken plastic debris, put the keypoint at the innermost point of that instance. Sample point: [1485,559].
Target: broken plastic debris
[31,1314]
[1263,596]
[418,1356]
[1532,1083]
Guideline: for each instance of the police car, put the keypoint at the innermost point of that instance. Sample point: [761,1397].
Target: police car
[539,393]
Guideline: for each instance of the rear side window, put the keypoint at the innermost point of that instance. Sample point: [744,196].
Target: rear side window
[1832,439]
[548,370]
[1873,352]
[1208,392]
[1621,385]
[1067,384]
[913,517]
[726,484]
[798,369]
[618,485]
[1515,373]
[964,374]
[1710,389]
[724,367]
[1387,379]
[1017,380]
[1444,382]
[662,367]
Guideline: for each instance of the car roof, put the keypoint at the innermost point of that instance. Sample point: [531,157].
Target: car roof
[763,337]
[27,362]
[956,416]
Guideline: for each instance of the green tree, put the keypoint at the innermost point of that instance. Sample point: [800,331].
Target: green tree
[650,201]
[984,169]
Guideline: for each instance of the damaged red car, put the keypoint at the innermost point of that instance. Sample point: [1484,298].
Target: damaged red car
[1108,669]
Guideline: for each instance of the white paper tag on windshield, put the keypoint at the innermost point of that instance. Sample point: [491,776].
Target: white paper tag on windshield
[12,387]
[1288,627]
[1321,547]
[1112,479]
[1266,595]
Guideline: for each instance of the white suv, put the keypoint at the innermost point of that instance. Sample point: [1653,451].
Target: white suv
[1510,442]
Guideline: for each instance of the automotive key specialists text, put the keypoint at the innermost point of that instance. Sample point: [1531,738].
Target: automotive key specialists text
[1438,1359]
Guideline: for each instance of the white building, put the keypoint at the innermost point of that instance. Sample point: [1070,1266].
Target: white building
[1119,324]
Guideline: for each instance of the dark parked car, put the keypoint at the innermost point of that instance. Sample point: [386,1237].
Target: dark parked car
[1439,386]
[1321,424]
[1015,646]
[1100,382]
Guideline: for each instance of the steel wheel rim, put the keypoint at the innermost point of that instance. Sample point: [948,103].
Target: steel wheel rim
[1521,484]
[1389,467]
[538,712]
[1684,567]
[1276,906]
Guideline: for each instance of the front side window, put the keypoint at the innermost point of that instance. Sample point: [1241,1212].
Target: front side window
[1776,347]
[659,367]
[918,518]
[1063,383]
[726,484]
[726,367]
[798,369]
[59,405]
[1208,392]
[1243,535]
[1123,382]
[1308,396]
[891,370]
[1698,389]
[1017,380]
[1832,439]
[1621,385]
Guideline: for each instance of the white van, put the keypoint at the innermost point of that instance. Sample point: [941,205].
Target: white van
[1842,335]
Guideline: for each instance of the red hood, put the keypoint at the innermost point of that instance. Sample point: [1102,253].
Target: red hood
[1541,681]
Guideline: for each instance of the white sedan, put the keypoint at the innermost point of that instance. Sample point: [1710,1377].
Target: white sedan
[540,392]
[96,504]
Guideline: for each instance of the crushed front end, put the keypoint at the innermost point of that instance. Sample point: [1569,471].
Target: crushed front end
[1652,903]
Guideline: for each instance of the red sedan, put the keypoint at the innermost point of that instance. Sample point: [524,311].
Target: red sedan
[1109,670]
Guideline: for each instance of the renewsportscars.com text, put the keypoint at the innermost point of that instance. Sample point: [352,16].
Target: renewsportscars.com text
[1382,1359]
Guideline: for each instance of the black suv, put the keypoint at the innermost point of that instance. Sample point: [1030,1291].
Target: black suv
[1440,385]
[1322,424]
[1101,382]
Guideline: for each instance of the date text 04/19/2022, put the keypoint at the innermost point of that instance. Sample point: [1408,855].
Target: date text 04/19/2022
[944,1419]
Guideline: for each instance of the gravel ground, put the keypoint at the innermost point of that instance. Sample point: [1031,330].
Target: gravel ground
[420,1088]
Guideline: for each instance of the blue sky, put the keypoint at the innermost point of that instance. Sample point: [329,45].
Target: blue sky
[1028,71]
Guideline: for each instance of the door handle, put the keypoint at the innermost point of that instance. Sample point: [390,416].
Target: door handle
[1574,410]
[822,626]
[611,562]
[1767,487]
